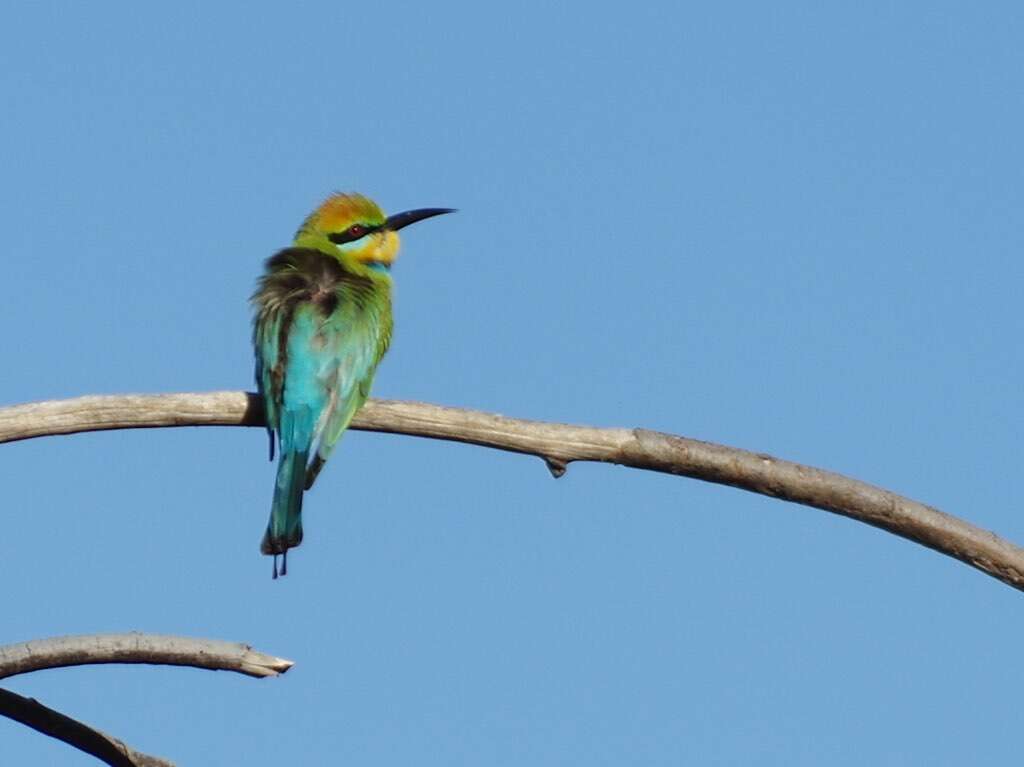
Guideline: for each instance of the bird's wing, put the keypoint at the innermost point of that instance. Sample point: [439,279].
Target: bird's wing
[266,334]
[352,337]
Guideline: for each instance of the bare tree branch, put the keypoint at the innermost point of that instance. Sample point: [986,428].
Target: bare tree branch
[158,649]
[61,652]
[558,445]
[104,747]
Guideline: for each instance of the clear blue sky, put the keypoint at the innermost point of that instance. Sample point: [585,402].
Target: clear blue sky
[788,227]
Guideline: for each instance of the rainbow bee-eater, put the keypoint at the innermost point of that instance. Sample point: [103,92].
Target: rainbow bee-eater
[322,324]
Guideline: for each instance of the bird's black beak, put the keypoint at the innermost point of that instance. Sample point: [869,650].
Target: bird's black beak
[400,220]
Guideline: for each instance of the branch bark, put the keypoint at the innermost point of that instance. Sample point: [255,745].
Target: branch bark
[134,647]
[558,445]
[61,652]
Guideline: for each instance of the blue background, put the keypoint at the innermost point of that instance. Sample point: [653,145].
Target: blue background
[787,227]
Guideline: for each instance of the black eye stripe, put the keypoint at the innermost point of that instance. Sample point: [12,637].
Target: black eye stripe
[351,234]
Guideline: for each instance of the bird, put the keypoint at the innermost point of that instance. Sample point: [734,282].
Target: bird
[322,322]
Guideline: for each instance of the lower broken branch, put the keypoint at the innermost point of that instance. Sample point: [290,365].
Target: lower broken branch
[61,652]
[134,647]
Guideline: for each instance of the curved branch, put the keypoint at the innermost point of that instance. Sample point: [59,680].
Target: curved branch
[60,652]
[558,445]
[212,654]
[94,742]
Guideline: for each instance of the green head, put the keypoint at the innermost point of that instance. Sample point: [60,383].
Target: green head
[354,228]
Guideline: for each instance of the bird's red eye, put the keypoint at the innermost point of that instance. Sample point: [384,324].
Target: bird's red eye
[351,234]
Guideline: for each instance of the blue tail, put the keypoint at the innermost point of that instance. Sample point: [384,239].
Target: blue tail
[284,530]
